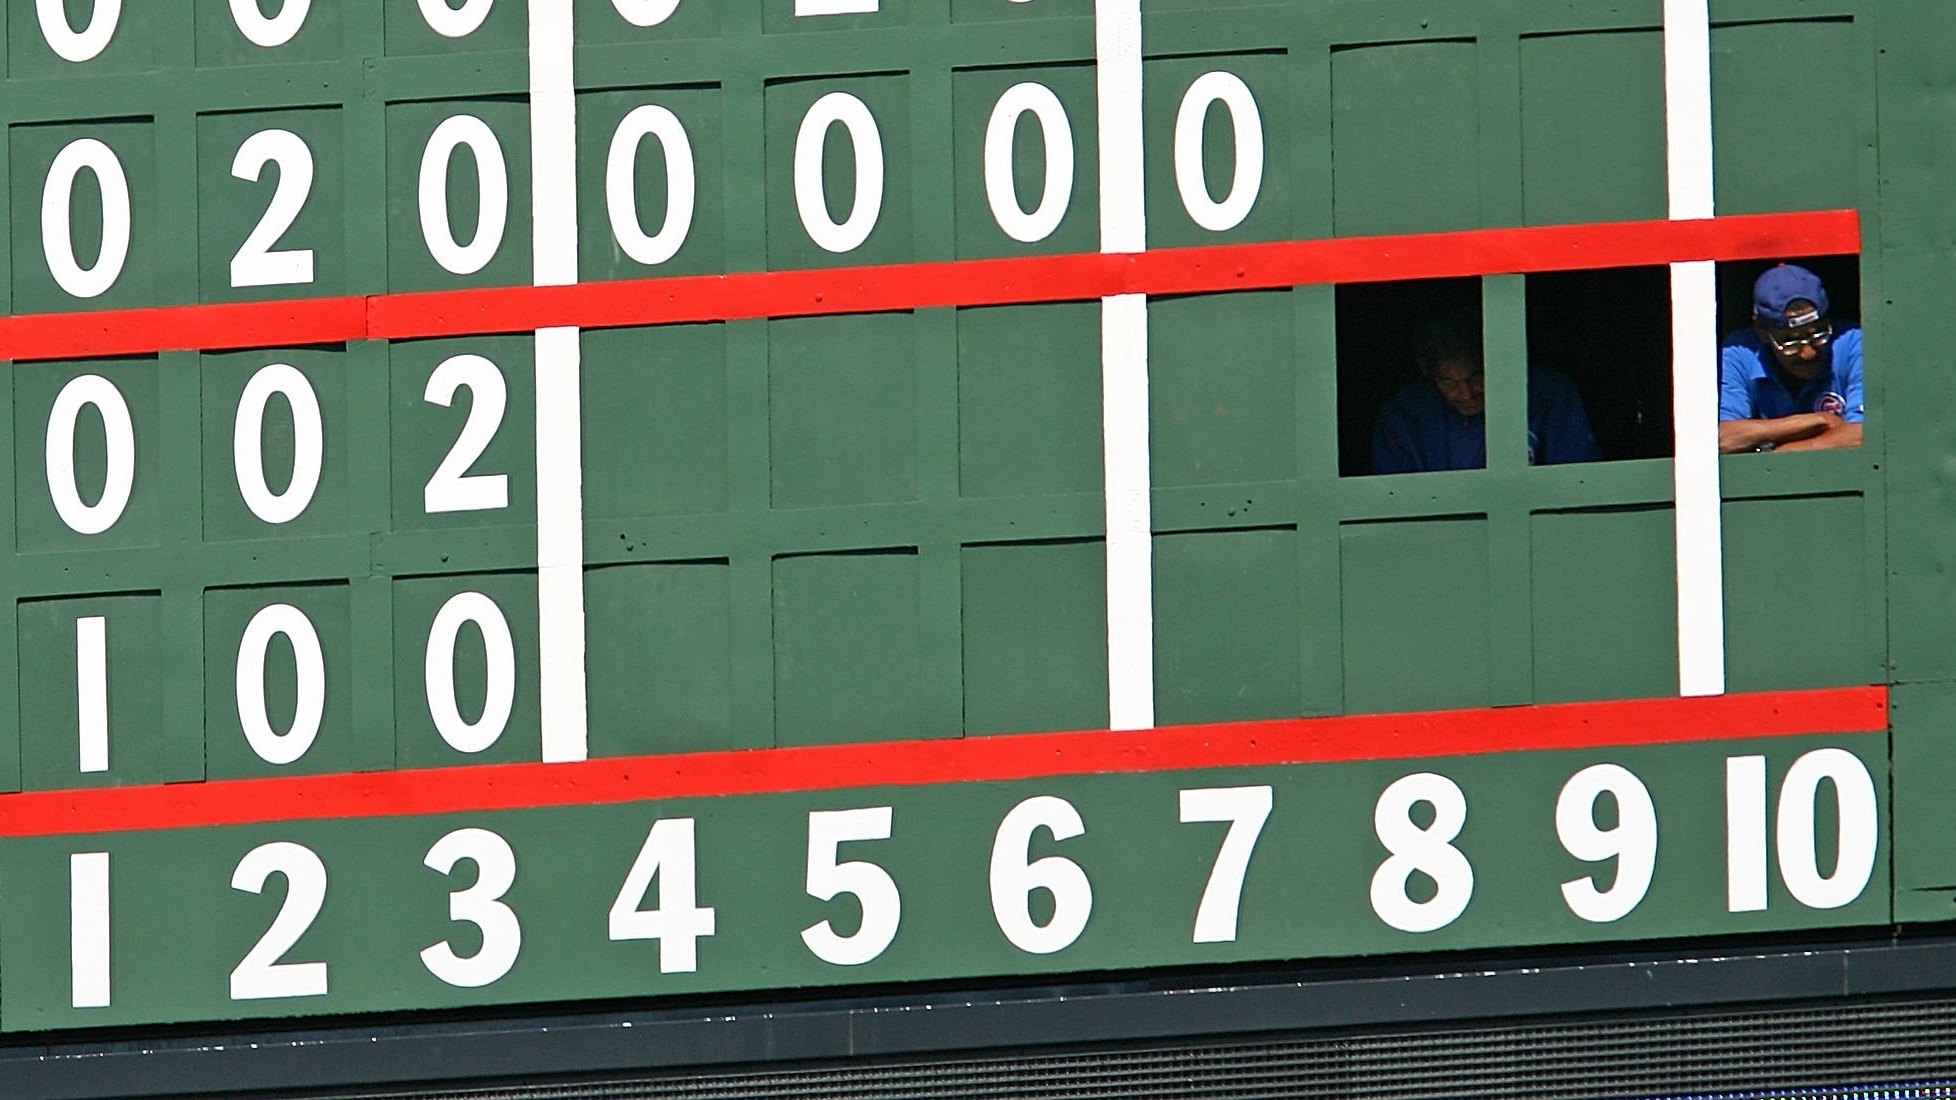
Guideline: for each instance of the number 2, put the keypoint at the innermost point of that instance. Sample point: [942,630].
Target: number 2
[261,975]
[453,488]
[256,263]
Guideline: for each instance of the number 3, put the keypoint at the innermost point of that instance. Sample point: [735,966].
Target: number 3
[480,905]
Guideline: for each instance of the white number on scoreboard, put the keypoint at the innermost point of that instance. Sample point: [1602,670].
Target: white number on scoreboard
[677,921]
[259,262]
[263,974]
[500,933]
[457,133]
[57,199]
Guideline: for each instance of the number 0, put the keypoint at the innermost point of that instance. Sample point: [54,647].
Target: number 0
[70,44]
[1018,223]
[1191,179]
[453,22]
[272,746]
[57,197]
[621,192]
[248,443]
[119,434]
[438,672]
[645,13]
[811,199]
[270,31]
[492,174]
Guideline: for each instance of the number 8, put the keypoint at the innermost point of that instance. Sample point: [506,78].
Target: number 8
[1429,851]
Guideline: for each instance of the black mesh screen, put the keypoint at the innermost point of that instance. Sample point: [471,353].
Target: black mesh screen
[1886,1051]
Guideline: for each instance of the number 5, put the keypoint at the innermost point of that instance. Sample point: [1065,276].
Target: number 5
[873,887]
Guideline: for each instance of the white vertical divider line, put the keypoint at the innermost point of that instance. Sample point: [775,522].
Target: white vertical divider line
[1124,374]
[1694,365]
[559,427]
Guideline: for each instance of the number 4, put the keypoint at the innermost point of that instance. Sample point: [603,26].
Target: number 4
[1246,809]
[678,921]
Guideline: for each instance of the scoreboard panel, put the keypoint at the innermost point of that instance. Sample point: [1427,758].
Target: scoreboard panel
[615,465]
[587,897]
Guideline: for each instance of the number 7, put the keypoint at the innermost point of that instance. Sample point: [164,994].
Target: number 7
[1246,809]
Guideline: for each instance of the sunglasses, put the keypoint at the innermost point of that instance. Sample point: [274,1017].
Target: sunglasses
[1789,341]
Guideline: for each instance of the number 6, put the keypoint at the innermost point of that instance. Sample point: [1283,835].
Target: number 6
[1013,878]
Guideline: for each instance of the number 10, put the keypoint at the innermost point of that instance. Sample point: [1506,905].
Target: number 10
[1799,863]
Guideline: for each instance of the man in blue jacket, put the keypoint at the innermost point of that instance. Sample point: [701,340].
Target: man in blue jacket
[1440,422]
[1791,382]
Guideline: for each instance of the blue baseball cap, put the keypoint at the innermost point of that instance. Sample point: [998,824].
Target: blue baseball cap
[1780,287]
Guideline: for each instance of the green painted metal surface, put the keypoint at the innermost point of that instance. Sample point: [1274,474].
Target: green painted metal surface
[832,530]
[184,928]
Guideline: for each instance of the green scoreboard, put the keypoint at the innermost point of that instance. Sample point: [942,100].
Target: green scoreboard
[522,502]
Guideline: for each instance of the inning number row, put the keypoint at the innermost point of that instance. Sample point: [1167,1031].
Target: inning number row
[665,872]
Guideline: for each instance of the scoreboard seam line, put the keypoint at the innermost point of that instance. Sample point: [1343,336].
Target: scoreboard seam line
[1627,724]
[692,299]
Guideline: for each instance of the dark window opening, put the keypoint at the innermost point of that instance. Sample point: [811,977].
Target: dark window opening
[1380,328]
[1597,341]
[1609,332]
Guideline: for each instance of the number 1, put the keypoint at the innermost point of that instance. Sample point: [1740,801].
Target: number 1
[88,929]
[92,691]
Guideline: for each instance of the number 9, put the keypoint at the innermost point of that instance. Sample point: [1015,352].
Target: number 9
[1632,843]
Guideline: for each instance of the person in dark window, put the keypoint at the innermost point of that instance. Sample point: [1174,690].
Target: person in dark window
[1792,381]
[1440,422]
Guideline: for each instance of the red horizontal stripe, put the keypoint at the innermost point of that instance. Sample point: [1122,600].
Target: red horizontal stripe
[917,763]
[1078,277]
